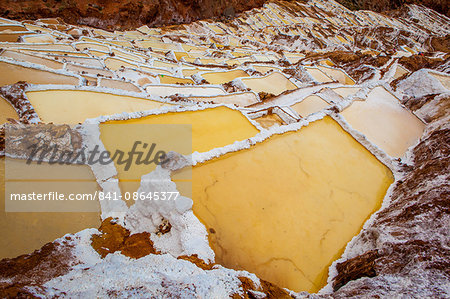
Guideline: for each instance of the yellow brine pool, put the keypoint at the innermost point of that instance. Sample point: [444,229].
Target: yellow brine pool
[286,208]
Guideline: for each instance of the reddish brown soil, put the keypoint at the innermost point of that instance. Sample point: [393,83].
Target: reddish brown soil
[297,73]
[229,87]
[35,269]
[440,43]
[264,96]
[417,62]
[271,290]
[114,238]
[395,82]
[124,14]
[197,261]
[360,266]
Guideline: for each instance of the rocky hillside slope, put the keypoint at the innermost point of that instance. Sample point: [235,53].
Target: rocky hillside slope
[115,15]
[441,6]
[126,14]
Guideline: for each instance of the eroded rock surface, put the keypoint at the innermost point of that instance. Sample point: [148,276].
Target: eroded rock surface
[125,14]
[405,250]
[439,5]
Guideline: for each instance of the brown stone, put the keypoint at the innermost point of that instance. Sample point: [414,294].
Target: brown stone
[357,267]
[114,238]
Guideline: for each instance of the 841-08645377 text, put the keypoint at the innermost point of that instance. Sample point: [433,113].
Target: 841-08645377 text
[157,195]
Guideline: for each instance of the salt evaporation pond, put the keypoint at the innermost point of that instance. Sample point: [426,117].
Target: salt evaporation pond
[310,190]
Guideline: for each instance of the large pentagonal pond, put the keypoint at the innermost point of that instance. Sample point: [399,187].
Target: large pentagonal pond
[285,208]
